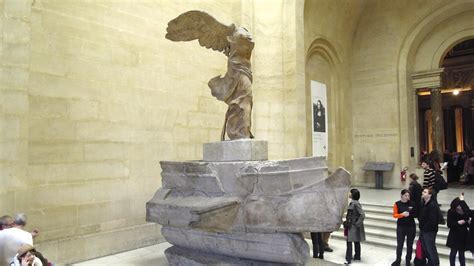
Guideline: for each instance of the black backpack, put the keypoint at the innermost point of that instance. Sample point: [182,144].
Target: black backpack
[440,183]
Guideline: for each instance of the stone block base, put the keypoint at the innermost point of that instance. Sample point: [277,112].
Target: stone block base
[177,255]
[235,150]
[279,247]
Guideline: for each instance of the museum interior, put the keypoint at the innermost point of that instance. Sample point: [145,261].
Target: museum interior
[94,97]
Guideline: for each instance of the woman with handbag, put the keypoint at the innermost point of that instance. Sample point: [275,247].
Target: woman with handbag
[354,226]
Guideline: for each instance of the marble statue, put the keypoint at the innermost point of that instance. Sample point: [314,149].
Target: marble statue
[235,87]
[236,207]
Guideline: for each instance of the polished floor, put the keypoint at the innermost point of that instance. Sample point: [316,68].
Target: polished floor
[371,255]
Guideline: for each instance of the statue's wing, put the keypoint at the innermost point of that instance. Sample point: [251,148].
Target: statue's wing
[199,25]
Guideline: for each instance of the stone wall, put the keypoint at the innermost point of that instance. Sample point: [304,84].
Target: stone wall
[329,29]
[93,97]
[14,110]
[277,65]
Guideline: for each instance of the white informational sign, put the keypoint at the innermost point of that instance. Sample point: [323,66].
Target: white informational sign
[319,117]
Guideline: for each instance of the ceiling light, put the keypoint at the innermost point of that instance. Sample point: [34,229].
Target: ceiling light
[455,92]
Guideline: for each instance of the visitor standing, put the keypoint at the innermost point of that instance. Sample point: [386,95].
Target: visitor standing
[6,222]
[354,226]
[429,178]
[12,238]
[428,222]
[415,192]
[404,210]
[469,169]
[318,245]
[326,236]
[458,222]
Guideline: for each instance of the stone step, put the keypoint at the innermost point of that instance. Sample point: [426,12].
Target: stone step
[391,235]
[389,208]
[376,239]
[390,222]
[381,216]
[392,227]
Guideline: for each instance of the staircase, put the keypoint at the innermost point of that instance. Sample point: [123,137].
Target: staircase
[380,230]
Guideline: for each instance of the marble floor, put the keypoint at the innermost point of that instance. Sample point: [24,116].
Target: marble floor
[371,255]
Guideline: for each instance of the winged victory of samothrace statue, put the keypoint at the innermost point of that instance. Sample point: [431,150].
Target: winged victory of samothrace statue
[235,87]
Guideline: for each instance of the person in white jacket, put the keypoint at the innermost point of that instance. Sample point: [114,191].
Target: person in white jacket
[11,239]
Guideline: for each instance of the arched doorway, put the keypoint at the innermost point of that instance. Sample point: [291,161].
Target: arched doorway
[457,110]
[420,67]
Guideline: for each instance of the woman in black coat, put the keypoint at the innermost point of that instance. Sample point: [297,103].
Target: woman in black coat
[415,192]
[458,222]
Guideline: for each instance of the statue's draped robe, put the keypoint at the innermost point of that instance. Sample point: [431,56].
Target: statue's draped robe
[235,90]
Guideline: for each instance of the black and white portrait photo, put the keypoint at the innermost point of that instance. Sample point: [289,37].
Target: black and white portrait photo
[319,116]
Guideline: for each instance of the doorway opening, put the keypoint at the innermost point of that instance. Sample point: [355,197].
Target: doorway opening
[458,113]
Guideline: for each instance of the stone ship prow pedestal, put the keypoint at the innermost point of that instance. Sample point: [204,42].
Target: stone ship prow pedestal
[237,207]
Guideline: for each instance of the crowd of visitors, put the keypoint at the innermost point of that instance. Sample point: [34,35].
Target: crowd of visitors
[416,202]
[460,166]
[16,244]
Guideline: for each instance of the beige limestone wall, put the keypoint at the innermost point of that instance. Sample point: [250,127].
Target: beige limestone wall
[329,29]
[375,88]
[389,37]
[93,97]
[15,52]
[278,33]
[96,97]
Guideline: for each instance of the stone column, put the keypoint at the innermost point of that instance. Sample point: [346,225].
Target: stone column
[437,121]
[432,79]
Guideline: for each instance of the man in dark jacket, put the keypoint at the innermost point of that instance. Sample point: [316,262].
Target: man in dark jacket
[428,222]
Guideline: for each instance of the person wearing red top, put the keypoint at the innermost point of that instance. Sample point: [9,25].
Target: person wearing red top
[404,210]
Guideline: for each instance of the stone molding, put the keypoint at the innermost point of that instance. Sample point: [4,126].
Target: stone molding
[427,79]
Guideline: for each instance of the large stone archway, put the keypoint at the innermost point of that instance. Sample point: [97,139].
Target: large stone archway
[419,61]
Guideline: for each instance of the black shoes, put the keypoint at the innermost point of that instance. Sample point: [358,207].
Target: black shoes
[356,258]
[396,263]
[320,256]
[407,261]
[328,249]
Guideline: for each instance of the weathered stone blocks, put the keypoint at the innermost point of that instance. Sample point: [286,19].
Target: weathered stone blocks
[235,150]
[285,248]
[231,211]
